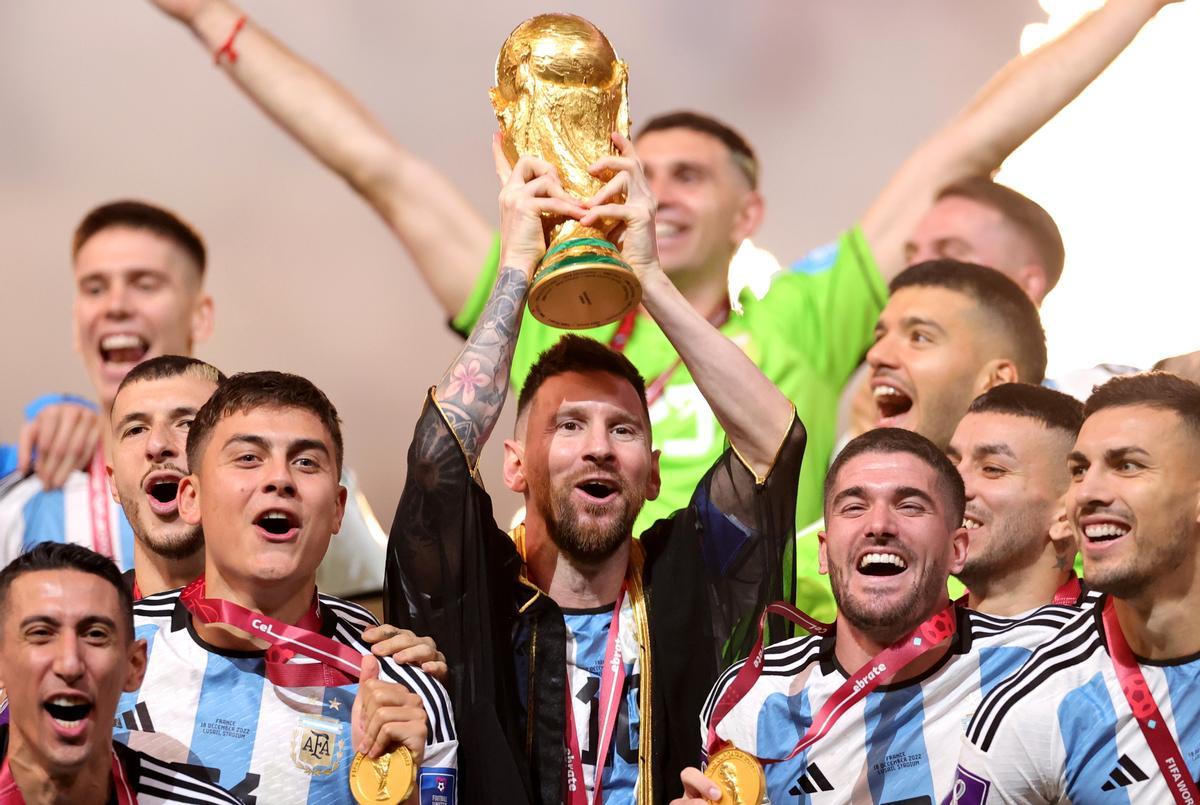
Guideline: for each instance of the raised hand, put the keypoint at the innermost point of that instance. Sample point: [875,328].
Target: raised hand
[626,200]
[531,190]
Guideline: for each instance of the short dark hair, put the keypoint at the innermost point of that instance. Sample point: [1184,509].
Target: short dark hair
[1052,408]
[1161,390]
[1013,314]
[1028,217]
[898,440]
[165,366]
[248,391]
[743,155]
[131,214]
[575,353]
[68,556]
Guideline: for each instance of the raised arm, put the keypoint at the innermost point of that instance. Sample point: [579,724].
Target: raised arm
[1014,104]
[754,413]
[447,238]
[472,392]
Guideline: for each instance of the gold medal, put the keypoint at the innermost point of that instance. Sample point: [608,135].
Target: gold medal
[738,774]
[386,780]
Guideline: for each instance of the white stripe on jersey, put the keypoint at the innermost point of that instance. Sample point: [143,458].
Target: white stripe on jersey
[1060,729]
[215,710]
[890,746]
[61,516]
[157,782]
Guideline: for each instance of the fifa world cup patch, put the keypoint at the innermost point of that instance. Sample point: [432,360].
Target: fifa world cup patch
[437,785]
[969,789]
[318,747]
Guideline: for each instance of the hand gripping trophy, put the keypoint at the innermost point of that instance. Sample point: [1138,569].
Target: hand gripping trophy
[560,93]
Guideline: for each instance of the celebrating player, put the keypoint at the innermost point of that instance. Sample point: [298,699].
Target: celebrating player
[139,293]
[1011,450]
[573,647]
[863,713]
[264,455]
[67,651]
[1107,711]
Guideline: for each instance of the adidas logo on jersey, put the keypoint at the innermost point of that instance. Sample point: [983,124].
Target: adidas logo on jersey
[1121,776]
[136,719]
[810,782]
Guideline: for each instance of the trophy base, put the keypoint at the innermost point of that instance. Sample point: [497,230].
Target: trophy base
[583,283]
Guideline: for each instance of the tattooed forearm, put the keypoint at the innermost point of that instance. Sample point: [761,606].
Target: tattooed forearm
[473,389]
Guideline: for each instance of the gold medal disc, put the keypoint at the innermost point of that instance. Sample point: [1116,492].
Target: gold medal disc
[386,780]
[738,774]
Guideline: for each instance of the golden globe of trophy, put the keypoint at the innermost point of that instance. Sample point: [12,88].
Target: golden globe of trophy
[560,93]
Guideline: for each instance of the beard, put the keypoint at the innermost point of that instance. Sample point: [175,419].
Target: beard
[1152,560]
[1014,542]
[893,618]
[588,540]
[174,542]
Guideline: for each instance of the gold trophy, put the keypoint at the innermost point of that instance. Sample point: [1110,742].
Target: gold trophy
[560,93]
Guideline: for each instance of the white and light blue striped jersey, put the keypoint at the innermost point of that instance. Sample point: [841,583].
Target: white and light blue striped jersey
[1060,729]
[29,514]
[897,744]
[215,710]
[587,637]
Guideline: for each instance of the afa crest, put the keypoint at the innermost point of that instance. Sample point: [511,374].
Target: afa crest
[318,746]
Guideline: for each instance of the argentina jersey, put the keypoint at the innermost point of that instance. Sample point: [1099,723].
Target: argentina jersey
[30,514]
[587,635]
[1061,730]
[214,710]
[896,745]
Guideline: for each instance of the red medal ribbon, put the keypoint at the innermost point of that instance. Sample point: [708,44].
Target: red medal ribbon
[612,682]
[10,794]
[99,499]
[878,671]
[624,332]
[1068,594]
[336,665]
[1141,701]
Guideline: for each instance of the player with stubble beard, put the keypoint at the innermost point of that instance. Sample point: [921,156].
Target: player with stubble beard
[1011,450]
[862,710]
[577,651]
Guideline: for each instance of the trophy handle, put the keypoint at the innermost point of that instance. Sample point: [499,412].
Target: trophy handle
[582,281]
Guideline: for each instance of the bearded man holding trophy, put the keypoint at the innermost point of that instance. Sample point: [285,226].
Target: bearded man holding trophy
[579,655]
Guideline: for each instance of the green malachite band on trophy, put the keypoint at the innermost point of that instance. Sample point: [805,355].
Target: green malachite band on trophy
[580,258]
[570,244]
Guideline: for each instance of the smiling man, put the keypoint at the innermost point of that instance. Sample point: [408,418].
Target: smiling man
[264,455]
[892,683]
[67,651]
[1011,450]
[949,332]
[139,294]
[576,649]
[1107,711]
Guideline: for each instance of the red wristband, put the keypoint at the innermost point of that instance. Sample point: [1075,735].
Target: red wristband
[227,48]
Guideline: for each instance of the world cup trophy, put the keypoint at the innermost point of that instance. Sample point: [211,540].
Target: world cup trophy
[560,93]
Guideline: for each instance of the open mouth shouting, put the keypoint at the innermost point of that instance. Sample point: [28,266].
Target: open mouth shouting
[68,713]
[161,488]
[123,349]
[277,525]
[892,402]
[598,490]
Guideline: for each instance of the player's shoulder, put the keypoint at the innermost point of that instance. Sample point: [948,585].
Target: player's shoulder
[354,617]
[785,658]
[1059,664]
[155,608]
[1030,629]
[156,781]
